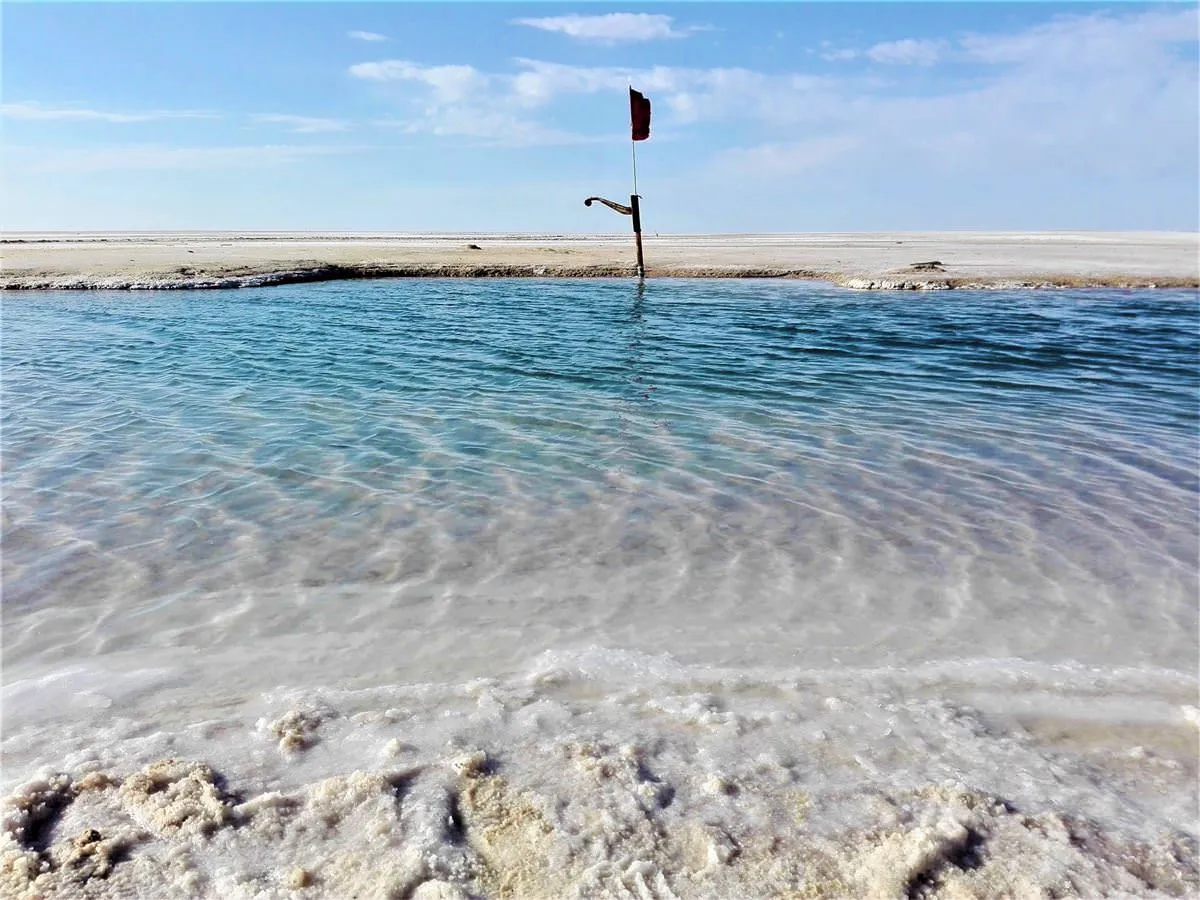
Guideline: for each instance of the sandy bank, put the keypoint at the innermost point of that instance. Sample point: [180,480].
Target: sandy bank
[912,261]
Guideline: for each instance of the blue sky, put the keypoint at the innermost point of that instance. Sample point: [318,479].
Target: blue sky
[496,116]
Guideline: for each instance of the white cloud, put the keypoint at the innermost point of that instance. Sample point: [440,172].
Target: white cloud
[609,28]
[907,52]
[1098,40]
[540,82]
[449,83]
[691,94]
[1070,40]
[39,113]
[145,157]
[370,36]
[1086,93]
[36,111]
[459,100]
[491,128]
[465,95]
[302,124]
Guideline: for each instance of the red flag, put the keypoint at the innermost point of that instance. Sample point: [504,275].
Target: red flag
[639,115]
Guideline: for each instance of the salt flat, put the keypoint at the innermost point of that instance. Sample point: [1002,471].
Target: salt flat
[897,260]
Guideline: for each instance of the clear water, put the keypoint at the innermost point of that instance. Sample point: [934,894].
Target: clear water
[754,565]
[451,476]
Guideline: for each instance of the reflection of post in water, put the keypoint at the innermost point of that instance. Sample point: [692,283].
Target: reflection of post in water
[637,343]
[635,390]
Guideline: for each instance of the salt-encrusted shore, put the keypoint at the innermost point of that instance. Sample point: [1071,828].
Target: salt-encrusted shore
[609,776]
[879,261]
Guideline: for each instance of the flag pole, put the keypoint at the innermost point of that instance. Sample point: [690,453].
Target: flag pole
[633,144]
[634,204]
[639,130]
[637,233]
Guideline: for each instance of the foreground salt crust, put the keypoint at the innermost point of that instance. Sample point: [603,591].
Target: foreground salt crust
[615,779]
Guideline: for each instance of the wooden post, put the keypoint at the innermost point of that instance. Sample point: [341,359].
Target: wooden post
[637,233]
[633,209]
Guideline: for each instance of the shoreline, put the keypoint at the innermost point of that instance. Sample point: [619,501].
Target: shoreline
[893,261]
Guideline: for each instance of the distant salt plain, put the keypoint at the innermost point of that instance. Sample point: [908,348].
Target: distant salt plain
[883,260]
[531,588]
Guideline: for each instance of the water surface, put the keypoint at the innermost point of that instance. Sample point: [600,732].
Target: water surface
[412,479]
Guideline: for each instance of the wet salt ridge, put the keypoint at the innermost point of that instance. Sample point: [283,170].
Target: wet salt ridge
[536,588]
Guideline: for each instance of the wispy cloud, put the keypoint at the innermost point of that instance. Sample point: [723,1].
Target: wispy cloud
[1099,40]
[691,94]
[462,101]
[610,28]
[489,128]
[1072,40]
[537,83]
[302,124]
[465,95]
[908,52]
[1094,94]
[37,111]
[790,158]
[844,54]
[147,157]
[370,36]
[449,83]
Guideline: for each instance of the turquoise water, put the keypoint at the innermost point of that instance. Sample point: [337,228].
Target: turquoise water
[403,478]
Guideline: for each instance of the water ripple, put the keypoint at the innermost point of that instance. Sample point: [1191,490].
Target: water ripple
[759,472]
